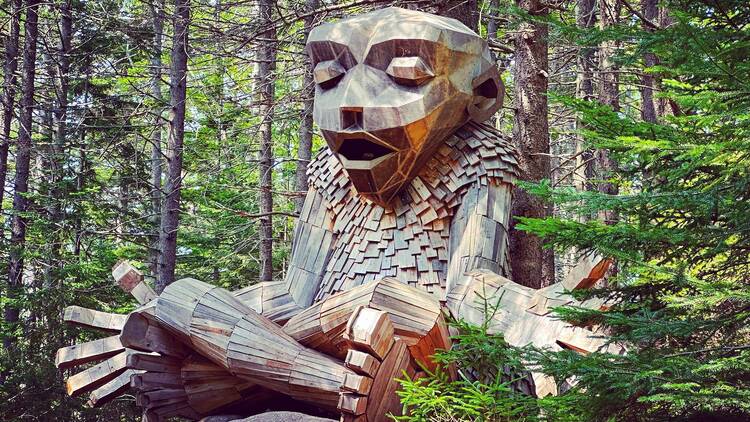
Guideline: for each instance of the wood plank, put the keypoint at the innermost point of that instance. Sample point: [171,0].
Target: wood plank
[131,280]
[154,380]
[78,354]
[357,384]
[371,330]
[97,375]
[385,386]
[352,403]
[90,318]
[111,390]
[153,363]
[361,362]
[140,334]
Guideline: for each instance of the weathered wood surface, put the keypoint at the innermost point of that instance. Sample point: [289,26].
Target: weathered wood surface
[371,395]
[112,389]
[589,269]
[131,280]
[416,317]
[411,239]
[90,318]
[524,316]
[246,344]
[362,363]
[381,133]
[97,375]
[370,329]
[139,333]
[95,350]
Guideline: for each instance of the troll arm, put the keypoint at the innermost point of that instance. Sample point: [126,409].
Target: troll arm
[313,238]
[478,283]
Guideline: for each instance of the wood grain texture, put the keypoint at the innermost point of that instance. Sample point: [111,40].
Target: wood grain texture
[140,333]
[524,316]
[373,104]
[131,280]
[95,350]
[410,240]
[97,375]
[396,362]
[112,389]
[90,318]
[246,344]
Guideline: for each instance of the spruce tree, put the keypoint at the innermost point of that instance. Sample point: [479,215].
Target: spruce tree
[680,301]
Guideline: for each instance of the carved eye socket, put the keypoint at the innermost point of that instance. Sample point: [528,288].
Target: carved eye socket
[327,73]
[409,71]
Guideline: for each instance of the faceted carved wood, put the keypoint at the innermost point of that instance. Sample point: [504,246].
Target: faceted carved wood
[392,85]
[406,219]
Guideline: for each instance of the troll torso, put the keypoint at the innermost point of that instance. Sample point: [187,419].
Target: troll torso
[410,240]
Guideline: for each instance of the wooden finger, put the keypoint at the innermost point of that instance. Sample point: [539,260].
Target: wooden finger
[131,280]
[97,375]
[361,362]
[111,390]
[370,330]
[78,354]
[90,318]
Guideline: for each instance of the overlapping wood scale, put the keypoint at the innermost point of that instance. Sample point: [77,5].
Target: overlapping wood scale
[410,239]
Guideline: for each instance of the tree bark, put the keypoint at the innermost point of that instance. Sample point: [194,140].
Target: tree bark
[492,22]
[23,160]
[665,106]
[304,150]
[531,265]
[57,159]
[648,81]
[170,218]
[609,94]
[266,81]
[9,92]
[465,11]
[157,16]
[585,20]
[609,77]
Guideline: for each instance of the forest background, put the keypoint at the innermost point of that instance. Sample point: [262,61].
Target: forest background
[177,134]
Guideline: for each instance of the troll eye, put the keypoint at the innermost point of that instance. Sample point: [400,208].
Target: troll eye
[327,73]
[409,71]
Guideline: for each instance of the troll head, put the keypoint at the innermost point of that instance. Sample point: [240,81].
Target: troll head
[391,86]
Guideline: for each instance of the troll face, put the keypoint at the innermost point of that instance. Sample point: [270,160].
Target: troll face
[391,86]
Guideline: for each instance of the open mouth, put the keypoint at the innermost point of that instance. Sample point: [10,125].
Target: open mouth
[360,149]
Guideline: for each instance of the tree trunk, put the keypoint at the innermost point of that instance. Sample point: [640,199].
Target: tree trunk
[170,218]
[609,94]
[9,92]
[665,106]
[585,19]
[304,150]
[267,79]
[609,77]
[465,11]
[648,81]
[157,14]
[60,114]
[491,21]
[531,265]
[23,161]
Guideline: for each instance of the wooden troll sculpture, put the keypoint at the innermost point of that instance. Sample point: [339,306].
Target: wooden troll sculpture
[406,218]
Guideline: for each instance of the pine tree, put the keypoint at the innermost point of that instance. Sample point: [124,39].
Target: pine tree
[681,299]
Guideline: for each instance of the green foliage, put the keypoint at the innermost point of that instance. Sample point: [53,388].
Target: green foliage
[680,301]
[488,372]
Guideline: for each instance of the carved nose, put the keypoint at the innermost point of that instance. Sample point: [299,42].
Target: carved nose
[351,117]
